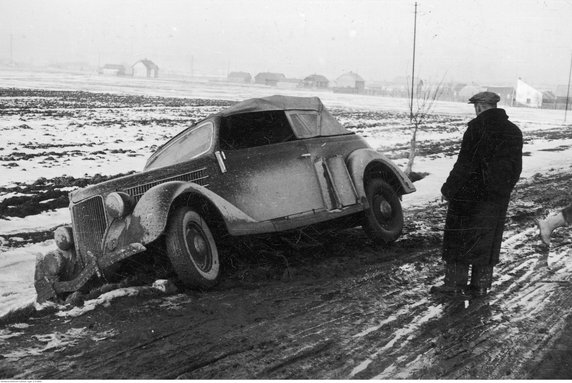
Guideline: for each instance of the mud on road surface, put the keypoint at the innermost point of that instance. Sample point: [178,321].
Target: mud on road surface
[339,309]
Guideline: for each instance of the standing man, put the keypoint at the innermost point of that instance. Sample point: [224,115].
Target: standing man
[478,191]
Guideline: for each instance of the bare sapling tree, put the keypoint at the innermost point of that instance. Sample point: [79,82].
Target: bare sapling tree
[420,108]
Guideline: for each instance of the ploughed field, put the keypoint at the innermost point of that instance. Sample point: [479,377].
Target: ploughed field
[314,305]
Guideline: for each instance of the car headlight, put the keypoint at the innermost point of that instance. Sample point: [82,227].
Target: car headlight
[64,237]
[119,204]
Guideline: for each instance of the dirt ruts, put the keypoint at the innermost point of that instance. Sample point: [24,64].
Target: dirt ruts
[342,309]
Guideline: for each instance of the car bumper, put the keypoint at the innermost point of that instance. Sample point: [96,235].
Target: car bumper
[48,281]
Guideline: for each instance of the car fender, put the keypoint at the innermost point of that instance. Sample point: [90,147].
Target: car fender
[149,218]
[361,160]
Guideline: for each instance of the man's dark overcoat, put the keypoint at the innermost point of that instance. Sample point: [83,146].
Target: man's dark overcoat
[478,189]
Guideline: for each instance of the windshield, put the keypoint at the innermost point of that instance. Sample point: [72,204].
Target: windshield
[186,146]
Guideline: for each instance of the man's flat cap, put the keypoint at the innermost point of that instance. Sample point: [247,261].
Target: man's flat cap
[484,98]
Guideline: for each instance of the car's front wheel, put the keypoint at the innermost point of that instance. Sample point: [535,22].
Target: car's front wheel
[192,249]
[383,221]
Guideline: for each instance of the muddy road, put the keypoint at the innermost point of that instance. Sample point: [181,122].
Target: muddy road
[338,308]
[312,306]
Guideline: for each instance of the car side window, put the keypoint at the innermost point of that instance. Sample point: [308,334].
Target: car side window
[249,130]
[305,124]
[189,145]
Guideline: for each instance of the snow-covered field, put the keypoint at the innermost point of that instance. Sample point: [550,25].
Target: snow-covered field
[80,141]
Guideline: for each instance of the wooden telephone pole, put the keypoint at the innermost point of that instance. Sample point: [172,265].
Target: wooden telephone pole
[568,90]
[413,66]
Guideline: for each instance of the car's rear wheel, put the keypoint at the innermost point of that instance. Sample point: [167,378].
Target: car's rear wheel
[383,221]
[192,249]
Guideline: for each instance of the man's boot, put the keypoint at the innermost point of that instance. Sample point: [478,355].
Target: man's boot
[455,282]
[547,225]
[481,280]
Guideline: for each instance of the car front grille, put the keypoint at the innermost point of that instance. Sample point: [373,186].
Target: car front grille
[198,176]
[89,225]
[89,219]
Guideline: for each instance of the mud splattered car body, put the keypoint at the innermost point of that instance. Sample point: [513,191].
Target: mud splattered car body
[261,166]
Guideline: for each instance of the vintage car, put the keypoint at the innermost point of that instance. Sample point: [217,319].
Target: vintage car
[263,165]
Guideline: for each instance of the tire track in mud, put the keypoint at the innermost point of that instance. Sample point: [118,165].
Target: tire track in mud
[489,319]
[540,311]
[373,319]
[516,337]
[403,333]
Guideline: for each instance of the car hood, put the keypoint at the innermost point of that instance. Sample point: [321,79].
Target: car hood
[138,183]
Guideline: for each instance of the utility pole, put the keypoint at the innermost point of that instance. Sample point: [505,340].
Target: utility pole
[413,66]
[568,90]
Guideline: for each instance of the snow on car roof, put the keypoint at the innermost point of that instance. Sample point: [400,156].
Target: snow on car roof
[276,102]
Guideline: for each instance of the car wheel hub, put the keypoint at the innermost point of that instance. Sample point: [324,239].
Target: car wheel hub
[200,244]
[383,208]
[199,248]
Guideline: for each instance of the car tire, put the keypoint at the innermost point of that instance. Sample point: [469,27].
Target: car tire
[383,220]
[192,249]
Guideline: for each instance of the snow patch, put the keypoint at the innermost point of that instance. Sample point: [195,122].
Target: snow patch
[103,300]
[57,341]
[17,276]
[35,223]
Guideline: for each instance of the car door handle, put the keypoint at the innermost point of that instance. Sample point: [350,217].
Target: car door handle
[220,159]
[306,155]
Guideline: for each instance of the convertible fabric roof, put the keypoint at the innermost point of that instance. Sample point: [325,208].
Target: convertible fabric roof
[303,125]
[274,103]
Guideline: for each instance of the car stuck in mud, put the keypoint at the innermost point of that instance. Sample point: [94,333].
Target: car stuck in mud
[337,306]
[264,165]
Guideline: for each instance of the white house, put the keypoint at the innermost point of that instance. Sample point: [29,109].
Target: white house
[526,95]
[349,82]
[112,70]
[145,68]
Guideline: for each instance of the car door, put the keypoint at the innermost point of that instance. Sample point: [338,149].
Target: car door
[272,181]
[269,173]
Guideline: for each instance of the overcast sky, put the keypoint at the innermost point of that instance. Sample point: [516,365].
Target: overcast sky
[491,42]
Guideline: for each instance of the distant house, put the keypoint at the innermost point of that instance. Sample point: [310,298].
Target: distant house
[549,100]
[526,95]
[269,78]
[145,68]
[349,82]
[315,81]
[447,91]
[376,88]
[456,90]
[240,77]
[468,91]
[112,70]
[562,92]
[289,83]
[506,94]
[71,65]
[557,99]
